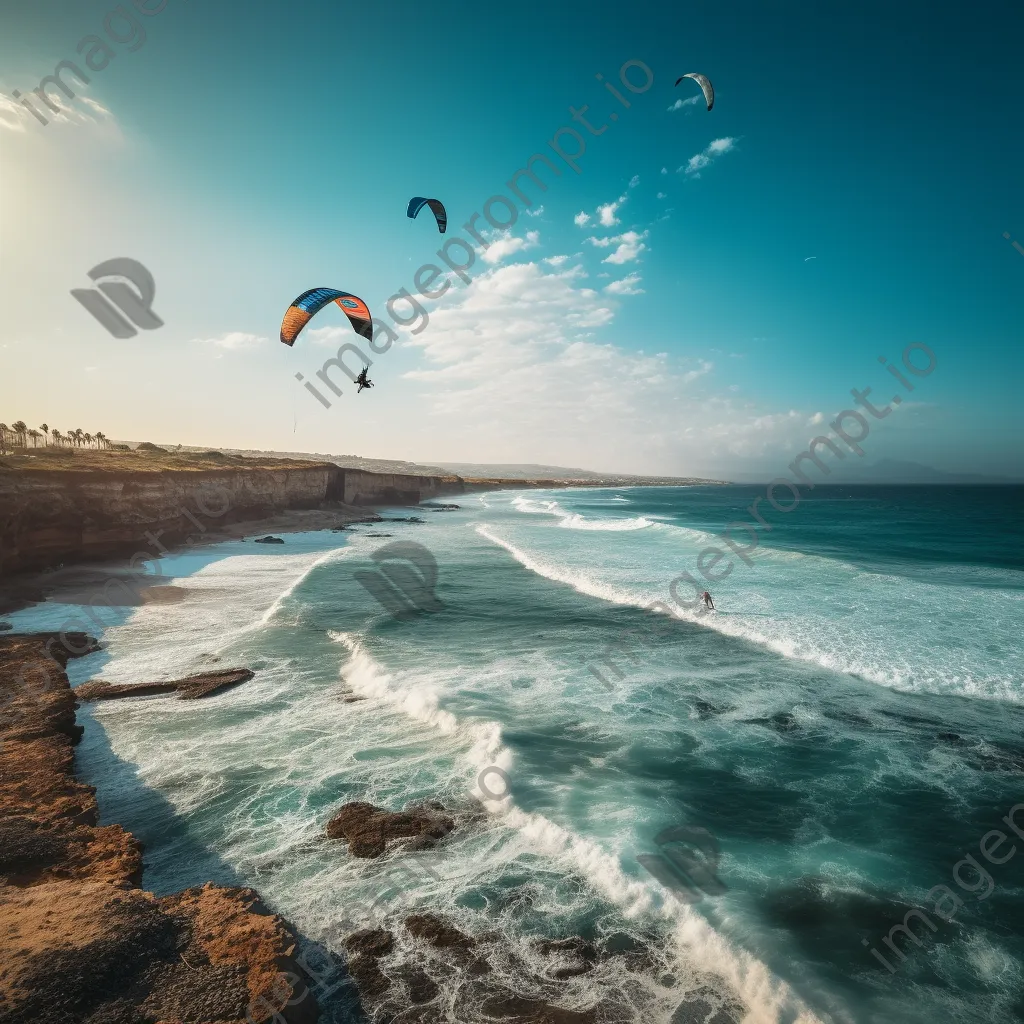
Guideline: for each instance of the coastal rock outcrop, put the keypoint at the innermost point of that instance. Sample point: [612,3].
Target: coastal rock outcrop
[369,829]
[190,688]
[80,940]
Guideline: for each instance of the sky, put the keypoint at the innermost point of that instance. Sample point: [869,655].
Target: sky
[699,299]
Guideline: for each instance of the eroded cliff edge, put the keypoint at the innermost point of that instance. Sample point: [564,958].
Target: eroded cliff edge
[80,939]
[67,507]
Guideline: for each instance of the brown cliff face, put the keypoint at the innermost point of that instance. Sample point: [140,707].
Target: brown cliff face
[71,507]
[62,516]
[80,940]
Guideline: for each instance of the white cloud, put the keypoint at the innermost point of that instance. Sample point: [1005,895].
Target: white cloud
[664,170]
[84,111]
[663,195]
[534,213]
[698,162]
[557,261]
[606,213]
[581,219]
[818,417]
[630,245]
[505,244]
[513,369]
[679,104]
[634,181]
[330,336]
[627,286]
[236,340]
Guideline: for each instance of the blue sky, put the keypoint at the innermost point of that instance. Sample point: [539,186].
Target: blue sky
[244,153]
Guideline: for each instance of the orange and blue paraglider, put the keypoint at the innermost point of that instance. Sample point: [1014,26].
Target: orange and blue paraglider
[418,202]
[308,304]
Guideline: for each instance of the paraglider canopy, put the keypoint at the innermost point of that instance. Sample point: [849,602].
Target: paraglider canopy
[705,84]
[418,202]
[308,304]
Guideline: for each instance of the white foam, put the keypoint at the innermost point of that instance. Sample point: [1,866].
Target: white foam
[578,522]
[697,942]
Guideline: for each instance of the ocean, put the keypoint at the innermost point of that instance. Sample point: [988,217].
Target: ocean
[806,764]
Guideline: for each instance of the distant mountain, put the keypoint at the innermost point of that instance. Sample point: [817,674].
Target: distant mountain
[895,471]
[520,471]
[533,471]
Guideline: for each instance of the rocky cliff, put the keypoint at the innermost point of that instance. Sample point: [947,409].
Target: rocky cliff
[135,503]
[80,939]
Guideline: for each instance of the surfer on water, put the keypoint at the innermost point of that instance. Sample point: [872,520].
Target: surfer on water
[708,603]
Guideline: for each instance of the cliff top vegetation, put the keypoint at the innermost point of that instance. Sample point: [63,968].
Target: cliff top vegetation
[141,460]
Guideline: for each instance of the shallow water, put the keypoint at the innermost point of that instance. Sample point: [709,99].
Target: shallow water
[847,726]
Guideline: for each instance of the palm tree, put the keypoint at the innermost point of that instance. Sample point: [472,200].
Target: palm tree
[87,438]
[3,437]
[56,435]
[35,435]
[46,430]
[77,435]
[20,429]
[101,439]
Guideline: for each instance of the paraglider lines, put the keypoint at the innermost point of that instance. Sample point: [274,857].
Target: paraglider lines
[1014,243]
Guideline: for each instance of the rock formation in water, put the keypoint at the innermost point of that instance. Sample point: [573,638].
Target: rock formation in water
[190,688]
[369,829]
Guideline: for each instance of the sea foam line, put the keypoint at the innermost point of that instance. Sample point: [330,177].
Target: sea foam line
[767,997]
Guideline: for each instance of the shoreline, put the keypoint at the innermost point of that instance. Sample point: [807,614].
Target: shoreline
[78,582]
[84,940]
[83,578]
[81,936]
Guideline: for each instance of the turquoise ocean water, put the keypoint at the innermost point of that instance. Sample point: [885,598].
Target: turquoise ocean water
[848,726]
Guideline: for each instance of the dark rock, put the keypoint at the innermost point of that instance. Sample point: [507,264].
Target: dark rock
[510,1006]
[148,446]
[438,932]
[191,688]
[372,942]
[268,540]
[368,976]
[422,988]
[368,829]
[5,626]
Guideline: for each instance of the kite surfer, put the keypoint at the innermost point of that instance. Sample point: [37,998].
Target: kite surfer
[708,603]
[362,380]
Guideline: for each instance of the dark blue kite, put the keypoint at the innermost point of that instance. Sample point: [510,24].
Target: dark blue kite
[418,202]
